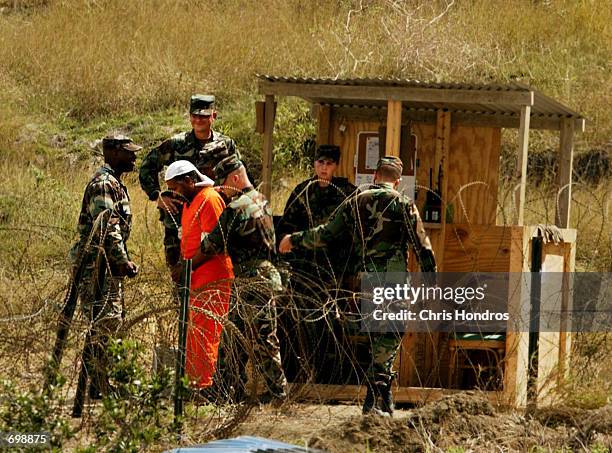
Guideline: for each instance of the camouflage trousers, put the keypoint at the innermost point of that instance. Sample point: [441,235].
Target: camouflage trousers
[102,308]
[172,242]
[383,348]
[254,318]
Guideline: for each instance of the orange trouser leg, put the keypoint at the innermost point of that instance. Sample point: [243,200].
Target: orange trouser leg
[204,333]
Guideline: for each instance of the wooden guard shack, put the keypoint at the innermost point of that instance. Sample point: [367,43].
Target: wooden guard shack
[450,135]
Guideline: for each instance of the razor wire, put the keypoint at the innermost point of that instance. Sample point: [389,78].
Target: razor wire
[151,317]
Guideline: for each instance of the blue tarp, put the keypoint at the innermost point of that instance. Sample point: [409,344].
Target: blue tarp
[244,444]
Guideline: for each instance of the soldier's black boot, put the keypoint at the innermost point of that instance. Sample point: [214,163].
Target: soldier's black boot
[369,403]
[386,395]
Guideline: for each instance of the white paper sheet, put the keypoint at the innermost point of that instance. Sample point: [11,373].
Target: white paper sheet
[372,153]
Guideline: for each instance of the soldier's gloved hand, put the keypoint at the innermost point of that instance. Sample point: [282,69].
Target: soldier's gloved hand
[285,245]
[168,204]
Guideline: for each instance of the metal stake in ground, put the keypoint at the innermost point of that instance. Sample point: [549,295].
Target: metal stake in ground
[182,345]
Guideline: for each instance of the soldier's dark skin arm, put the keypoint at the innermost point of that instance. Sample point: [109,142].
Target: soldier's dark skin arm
[104,206]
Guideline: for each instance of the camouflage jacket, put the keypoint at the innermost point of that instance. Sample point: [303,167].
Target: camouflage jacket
[183,146]
[245,232]
[105,219]
[383,224]
[311,205]
[308,206]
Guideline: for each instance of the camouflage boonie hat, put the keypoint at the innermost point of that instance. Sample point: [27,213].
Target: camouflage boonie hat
[391,163]
[214,152]
[331,152]
[225,167]
[202,104]
[117,141]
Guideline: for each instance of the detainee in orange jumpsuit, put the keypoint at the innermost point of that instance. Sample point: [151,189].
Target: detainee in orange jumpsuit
[211,282]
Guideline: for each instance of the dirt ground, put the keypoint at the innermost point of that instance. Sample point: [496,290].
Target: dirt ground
[464,422]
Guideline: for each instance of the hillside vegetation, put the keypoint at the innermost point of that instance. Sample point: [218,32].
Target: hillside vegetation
[86,59]
[72,71]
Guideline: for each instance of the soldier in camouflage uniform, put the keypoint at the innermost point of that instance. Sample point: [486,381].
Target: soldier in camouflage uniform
[311,204]
[245,232]
[102,255]
[383,224]
[198,146]
[314,273]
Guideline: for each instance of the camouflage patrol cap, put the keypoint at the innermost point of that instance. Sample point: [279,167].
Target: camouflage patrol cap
[331,152]
[202,104]
[225,167]
[117,141]
[392,164]
[214,152]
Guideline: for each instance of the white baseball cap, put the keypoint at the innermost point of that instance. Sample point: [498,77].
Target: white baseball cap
[183,167]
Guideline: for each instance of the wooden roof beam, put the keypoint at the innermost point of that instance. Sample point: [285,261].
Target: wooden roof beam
[513,122]
[463,119]
[384,93]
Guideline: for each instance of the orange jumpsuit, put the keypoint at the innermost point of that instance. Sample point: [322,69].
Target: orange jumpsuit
[210,287]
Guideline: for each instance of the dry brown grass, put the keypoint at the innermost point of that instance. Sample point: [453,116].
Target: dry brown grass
[80,69]
[86,58]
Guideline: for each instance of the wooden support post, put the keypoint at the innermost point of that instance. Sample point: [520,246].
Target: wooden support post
[516,361]
[443,129]
[564,175]
[441,159]
[523,147]
[394,128]
[565,335]
[260,116]
[266,171]
[323,124]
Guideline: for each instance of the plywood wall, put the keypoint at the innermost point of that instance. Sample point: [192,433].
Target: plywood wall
[347,141]
[474,173]
[473,165]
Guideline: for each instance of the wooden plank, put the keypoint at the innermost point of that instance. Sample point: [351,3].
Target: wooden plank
[460,118]
[523,149]
[407,364]
[443,140]
[483,248]
[472,174]
[514,122]
[437,160]
[394,128]
[564,175]
[266,171]
[323,124]
[516,361]
[435,353]
[382,93]
[553,260]
[426,145]
[565,335]
[260,118]
[356,393]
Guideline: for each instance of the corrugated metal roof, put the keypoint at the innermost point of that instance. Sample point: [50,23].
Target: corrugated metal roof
[469,99]
[395,83]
